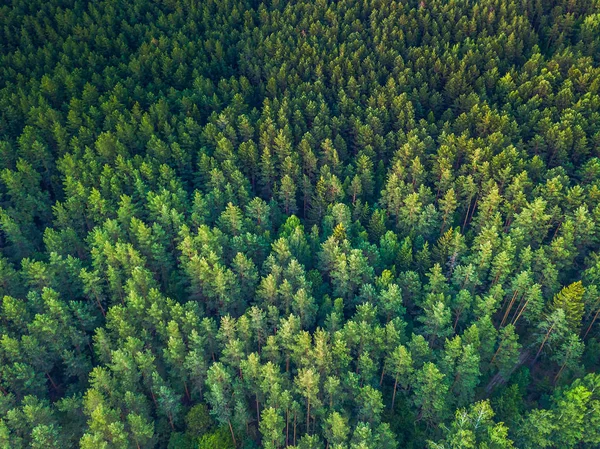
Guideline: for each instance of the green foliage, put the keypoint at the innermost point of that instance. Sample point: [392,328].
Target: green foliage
[220,438]
[198,421]
[570,300]
[475,428]
[179,440]
[569,421]
[299,224]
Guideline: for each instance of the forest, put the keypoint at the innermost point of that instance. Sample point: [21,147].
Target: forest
[307,224]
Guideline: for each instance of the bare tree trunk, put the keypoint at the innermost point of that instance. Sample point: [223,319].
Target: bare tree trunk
[591,324]
[100,306]
[466,215]
[394,394]
[514,323]
[556,231]
[443,225]
[474,208]
[456,320]
[232,435]
[559,372]
[287,426]
[543,343]
[52,382]
[295,427]
[308,415]
[187,392]
[497,351]
[153,397]
[509,307]
[257,411]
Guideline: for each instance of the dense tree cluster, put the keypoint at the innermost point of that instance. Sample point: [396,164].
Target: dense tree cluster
[360,224]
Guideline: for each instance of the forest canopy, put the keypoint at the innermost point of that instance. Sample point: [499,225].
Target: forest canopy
[354,224]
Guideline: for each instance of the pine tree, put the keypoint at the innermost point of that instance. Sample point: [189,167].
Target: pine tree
[570,300]
[430,393]
[271,428]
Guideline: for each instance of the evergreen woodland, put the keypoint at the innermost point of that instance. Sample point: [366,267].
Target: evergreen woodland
[354,224]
